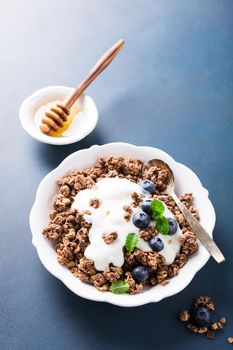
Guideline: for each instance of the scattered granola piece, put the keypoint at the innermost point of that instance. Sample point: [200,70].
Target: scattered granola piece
[95,202]
[99,282]
[162,275]
[52,231]
[64,190]
[186,198]
[210,334]
[87,265]
[61,203]
[113,273]
[136,199]
[147,233]
[110,237]
[173,270]
[128,212]
[202,330]
[230,340]
[205,301]
[184,315]
[188,243]
[192,328]
[222,320]
[133,286]
[216,325]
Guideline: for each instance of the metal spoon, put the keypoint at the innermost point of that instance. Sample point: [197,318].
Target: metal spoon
[200,232]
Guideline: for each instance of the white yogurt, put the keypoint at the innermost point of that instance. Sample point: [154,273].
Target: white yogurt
[114,194]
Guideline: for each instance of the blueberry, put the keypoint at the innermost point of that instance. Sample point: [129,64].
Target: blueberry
[148,186]
[202,316]
[156,244]
[173,226]
[146,206]
[140,273]
[141,219]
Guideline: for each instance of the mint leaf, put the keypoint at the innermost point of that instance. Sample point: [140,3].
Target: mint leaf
[162,225]
[131,241]
[157,208]
[119,287]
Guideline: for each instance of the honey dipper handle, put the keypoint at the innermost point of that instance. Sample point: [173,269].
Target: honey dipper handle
[101,64]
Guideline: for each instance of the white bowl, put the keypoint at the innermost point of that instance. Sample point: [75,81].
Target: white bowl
[52,93]
[186,181]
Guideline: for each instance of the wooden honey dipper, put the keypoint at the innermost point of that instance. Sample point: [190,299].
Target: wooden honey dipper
[57,115]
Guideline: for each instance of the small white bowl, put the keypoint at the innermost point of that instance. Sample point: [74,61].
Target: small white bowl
[186,181]
[52,93]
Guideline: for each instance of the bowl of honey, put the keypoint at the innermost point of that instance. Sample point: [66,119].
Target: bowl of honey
[81,120]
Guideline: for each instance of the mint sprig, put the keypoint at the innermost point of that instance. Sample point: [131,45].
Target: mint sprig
[162,225]
[157,208]
[119,287]
[131,241]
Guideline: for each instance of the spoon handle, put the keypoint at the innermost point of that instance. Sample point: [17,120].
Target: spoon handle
[200,232]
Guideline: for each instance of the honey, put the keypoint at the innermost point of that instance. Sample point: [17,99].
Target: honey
[70,124]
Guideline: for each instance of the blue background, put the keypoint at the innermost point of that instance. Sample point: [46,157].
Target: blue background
[171,87]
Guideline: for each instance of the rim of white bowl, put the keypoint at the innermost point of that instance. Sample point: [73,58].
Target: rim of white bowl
[124,300]
[58,141]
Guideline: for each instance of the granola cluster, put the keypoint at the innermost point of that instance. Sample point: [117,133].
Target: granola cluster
[209,327]
[110,237]
[69,230]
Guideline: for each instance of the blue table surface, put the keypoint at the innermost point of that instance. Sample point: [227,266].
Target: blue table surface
[171,87]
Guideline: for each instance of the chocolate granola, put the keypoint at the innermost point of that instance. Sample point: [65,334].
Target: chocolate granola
[68,229]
